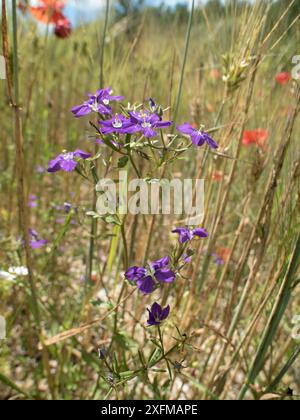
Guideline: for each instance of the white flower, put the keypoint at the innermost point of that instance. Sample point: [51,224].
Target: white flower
[18,271]
[4,275]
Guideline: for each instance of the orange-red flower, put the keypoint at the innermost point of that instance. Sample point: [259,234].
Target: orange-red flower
[215,74]
[283,78]
[258,137]
[49,11]
[217,176]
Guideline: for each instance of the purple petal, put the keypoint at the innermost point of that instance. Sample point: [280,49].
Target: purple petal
[68,165]
[185,128]
[201,233]
[163,124]
[146,285]
[210,141]
[162,263]
[81,110]
[151,319]
[165,313]
[149,132]
[165,275]
[156,310]
[54,165]
[135,273]
[197,139]
[184,234]
[81,154]
[116,98]
[37,244]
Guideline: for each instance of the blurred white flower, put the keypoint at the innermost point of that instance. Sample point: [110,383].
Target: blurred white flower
[18,271]
[4,275]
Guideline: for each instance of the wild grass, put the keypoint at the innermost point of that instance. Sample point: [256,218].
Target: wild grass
[229,333]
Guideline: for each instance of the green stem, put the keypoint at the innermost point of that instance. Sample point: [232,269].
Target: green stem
[186,48]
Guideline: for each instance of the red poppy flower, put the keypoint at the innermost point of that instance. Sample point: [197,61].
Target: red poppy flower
[283,78]
[217,176]
[223,253]
[215,74]
[258,137]
[50,11]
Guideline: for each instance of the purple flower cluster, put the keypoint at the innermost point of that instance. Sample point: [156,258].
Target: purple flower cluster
[147,279]
[186,234]
[138,122]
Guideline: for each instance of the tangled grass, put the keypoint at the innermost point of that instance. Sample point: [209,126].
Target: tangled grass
[76,329]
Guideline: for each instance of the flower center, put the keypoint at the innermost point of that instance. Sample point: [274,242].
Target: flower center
[68,156]
[106,101]
[94,106]
[146,124]
[117,123]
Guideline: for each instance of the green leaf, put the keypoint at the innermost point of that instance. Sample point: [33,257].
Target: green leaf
[12,385]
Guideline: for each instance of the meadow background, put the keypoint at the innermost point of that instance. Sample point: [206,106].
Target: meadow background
[230,330]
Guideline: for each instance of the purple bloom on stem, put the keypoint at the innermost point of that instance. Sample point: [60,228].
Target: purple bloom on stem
[67,207]
[35,242]
[157,314]
[67,161]
[146,285]
[162,272]
[198,137]
[145,279]
[118,124]
[148,123]
[186,234]
[99,102]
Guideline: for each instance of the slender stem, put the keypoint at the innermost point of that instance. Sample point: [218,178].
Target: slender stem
[103,44]
[186,48]
[94,221]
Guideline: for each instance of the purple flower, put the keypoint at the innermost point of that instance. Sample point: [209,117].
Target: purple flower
[67,161]
[146,285]
[148,123]
[186,234]
[99,102]
[32,201]
[67,207]
[157,314]
[35,241]
[198,137]
[39,169]
[118,124]
[162,272]
[146,279]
